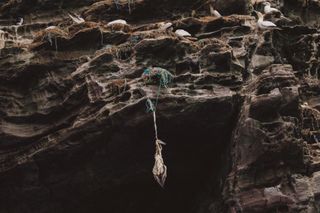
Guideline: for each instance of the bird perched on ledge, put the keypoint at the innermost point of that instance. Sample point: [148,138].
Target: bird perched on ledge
[214,12]
[76,19]
[182,33]
[119,25]
[270,10]
[264,25]
[118,21]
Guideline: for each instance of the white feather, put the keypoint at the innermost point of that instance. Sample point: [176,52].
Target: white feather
[182,33]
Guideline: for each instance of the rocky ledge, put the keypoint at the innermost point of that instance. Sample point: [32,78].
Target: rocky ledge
[240,118]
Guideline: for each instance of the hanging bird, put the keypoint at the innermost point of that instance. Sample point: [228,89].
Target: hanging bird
[214,12]
[77,19]
[182,33]
[159,169]
[20,22]
[264,25]
[118,21]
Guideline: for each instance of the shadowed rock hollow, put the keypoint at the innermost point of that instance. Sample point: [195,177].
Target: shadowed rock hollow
[241,117]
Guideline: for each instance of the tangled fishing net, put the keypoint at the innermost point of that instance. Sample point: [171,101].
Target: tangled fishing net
[164,76]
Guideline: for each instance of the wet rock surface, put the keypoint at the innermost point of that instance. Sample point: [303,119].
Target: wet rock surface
[241,118]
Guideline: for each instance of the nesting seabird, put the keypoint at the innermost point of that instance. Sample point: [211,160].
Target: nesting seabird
[52,28]
[270,10]
[264,25]
[118,21]
[214,12]
[77,19]
[182,33]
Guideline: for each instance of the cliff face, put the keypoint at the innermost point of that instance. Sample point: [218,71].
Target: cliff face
[240,118]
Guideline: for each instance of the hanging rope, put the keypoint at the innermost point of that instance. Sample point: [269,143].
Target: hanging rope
[165,77]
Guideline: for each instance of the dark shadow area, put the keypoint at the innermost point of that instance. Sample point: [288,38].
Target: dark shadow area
[112,172]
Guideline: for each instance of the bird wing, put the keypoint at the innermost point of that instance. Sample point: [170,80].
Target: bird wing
[51,28]
[216,13]
[182,33]
[268,24]
[118,21]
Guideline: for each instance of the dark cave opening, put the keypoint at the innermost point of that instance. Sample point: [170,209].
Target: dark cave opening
[195,154]
[112,171]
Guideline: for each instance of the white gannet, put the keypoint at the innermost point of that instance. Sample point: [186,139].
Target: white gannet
[77,19]
[20,22]
[214,12]
[118,21]
[51,28]
[182,33]
[264,25]
[270,10]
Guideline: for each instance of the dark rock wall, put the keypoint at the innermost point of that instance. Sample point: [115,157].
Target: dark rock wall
[240,119]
